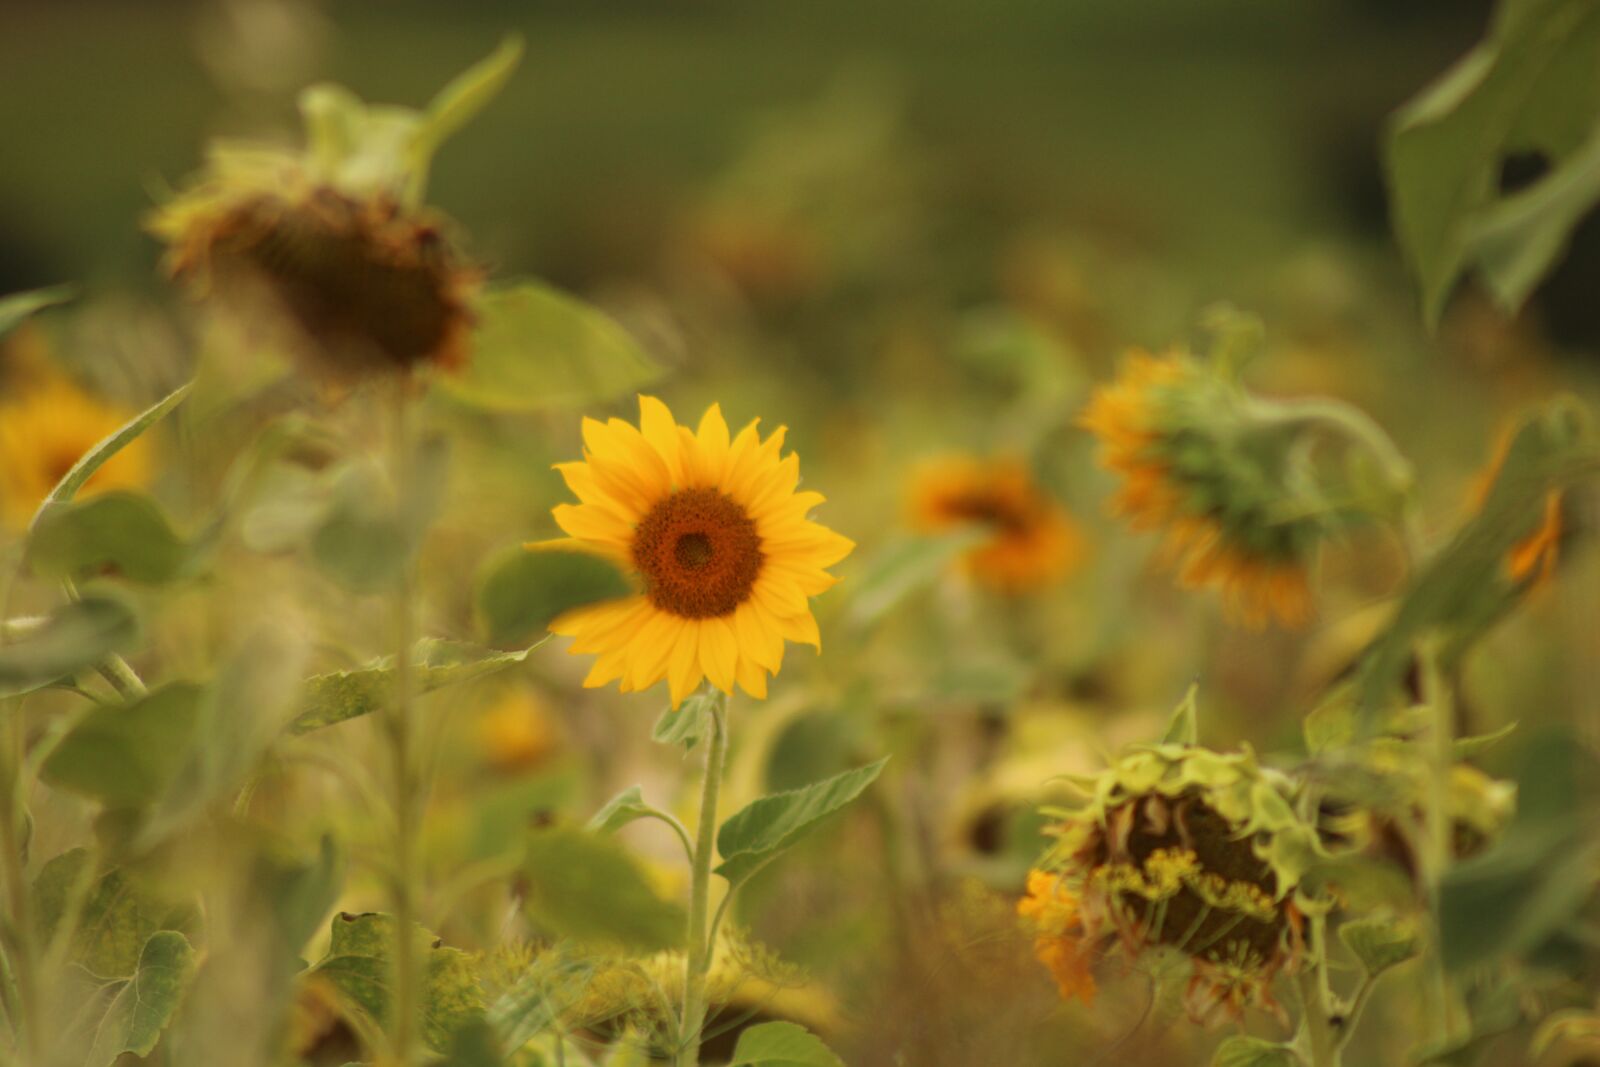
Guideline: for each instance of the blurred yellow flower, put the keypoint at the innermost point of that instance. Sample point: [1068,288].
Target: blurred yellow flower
[365,284]
[1052,911]
[719,540]
[1171,430]
[1032,539]
[517,732]
[44,431]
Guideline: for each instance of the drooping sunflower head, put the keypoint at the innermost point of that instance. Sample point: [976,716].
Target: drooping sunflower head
[1183,849]
[360,283]
[1238,506]
[1030,539]
[721,544]
[44,430]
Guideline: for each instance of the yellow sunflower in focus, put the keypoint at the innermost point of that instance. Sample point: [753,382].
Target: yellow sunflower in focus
[1195,463]
[1033,541]
[719,540]
[46,430]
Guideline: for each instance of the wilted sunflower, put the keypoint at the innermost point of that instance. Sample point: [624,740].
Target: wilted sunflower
[1184,849]
[1223,483]
[44,431]
[365,284]
[719,540]
[1031,541]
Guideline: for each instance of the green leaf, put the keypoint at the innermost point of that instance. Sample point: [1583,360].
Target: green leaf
[242,711]
[124,531]
[16,308]
[1528,87]
[302,892]
[536,348]
[125,756]
[466,94]
[97,457]
[1183,728]
[1467,588]
[622,809]
[147,1002]
[1470,747]
[781,1044]
[757,833]
[341,695]
[589,888]
[359,967]
[532,1005]
[686,724]
[474,1045]
[1381,942]
[75,636]
[522,590]
[1253,1052]
[116,917]
[901,568]
[1537,876]
[361,542]
[1330,725]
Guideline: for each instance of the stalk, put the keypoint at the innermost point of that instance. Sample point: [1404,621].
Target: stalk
[1324,1043]
[1437,843]
[20,946]
[400,730]
[698,961]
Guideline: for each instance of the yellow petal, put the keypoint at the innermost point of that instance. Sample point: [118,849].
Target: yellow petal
[802,629]
[660,429]
[683,670]
[752,679]
[713,439]
[719,652]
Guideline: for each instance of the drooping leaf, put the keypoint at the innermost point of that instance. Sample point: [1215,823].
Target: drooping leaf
[15,308]
[522,590]
[1380,942]
[1529,87]
[97,457]
[341,695]
[75,636]
[536,348]
[1240,1051]
[587,887]
[125,531]
[147,1002]
[761,830]
[359,966]
[902,567]
[782,1044]
[1183,728]
[302,892]
[125,756]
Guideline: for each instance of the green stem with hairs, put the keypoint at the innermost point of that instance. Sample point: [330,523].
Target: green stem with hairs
[1437,844]
[699,947]
[1324,1041]
[400,729]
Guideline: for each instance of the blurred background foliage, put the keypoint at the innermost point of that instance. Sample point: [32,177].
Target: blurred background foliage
[903,229]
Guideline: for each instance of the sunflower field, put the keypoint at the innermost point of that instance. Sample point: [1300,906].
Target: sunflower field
[757,535]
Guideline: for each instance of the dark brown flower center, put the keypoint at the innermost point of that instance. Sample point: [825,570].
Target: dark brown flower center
[991,508]
[699,554]
[1186,921]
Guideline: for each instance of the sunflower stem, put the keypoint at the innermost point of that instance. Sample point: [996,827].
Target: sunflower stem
[1437,843]
[399,732]
[699,947]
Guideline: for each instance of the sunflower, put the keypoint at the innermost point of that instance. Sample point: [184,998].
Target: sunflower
[1032,540]
[1183,849]
[46,430]
[1224,488]
[719,540]
[365,284]
[517,732]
